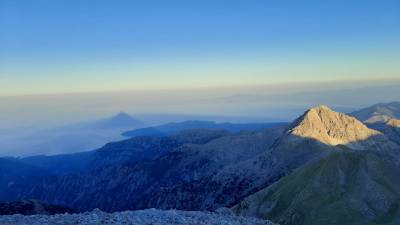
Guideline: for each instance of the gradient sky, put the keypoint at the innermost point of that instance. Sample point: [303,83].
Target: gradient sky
[61,46]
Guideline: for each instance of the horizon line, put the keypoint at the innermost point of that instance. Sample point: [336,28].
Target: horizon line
[374,81]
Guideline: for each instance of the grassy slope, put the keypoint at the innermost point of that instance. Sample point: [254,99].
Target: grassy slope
[347,188]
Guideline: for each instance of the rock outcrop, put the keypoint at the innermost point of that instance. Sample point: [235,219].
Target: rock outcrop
[337,129]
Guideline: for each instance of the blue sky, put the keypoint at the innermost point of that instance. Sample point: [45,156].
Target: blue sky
[49,46]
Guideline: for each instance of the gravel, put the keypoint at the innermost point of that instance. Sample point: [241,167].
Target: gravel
[141,217]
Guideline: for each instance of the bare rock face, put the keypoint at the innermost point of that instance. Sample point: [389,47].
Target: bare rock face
[393,122]
[334,128]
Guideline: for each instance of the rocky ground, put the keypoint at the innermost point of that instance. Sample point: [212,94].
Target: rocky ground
[142,217]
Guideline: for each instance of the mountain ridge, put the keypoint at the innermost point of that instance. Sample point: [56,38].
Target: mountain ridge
[334,128]
[383,117]
[212,169]
[378,112]
[175,127]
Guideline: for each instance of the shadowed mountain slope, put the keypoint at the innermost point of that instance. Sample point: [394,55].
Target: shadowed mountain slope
[132,185]
[20,175]
[131,150]
[31,207]
[390,127]
[14,172]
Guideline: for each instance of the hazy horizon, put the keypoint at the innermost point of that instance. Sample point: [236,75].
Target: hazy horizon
[267,103]
[68,62]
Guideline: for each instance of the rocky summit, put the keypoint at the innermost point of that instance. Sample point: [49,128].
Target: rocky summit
[333,128]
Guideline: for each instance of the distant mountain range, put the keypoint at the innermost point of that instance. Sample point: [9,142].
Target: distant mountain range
[173,128]
[384,117]
[378,112]
[324,168]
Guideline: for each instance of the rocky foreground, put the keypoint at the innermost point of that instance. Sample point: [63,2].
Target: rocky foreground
[142,217]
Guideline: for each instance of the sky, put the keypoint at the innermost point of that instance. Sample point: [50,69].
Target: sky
[71,46]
